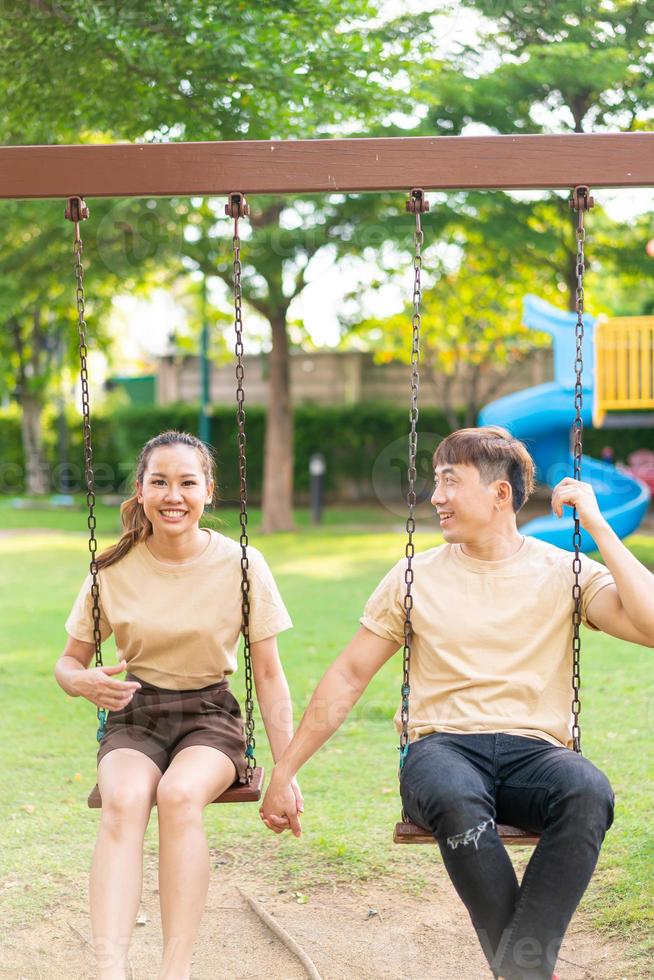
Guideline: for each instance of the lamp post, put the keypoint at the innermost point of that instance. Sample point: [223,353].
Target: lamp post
[317,467]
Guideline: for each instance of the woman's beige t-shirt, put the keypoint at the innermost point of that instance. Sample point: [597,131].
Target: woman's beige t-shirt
[492,644]
[178,625]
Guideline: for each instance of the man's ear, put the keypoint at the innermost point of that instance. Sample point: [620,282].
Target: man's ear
[503,493]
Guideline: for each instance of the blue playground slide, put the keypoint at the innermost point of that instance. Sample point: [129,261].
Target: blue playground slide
[542,418]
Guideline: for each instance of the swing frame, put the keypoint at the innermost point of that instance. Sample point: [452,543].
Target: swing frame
[323,166]
[518,162]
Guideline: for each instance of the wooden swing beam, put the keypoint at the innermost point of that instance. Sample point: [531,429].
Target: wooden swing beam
[531,162]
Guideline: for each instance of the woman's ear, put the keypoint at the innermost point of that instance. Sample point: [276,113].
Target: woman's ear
[139,493]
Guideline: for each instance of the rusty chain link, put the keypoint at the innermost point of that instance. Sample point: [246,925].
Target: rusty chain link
[580,202]
[416,204]
[237,207]
[77,211]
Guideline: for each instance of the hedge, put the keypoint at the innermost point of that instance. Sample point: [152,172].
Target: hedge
[364,446]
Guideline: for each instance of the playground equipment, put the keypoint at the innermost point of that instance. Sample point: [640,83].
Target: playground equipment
[406,832]
[621,352]
[338,166]
[624,370]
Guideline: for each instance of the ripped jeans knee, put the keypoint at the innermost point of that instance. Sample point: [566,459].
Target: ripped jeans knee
[470,836]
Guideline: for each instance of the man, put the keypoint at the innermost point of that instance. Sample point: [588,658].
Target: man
[491,693]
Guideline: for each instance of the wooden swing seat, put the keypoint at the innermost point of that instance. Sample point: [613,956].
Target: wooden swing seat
[409,833]
[237,792]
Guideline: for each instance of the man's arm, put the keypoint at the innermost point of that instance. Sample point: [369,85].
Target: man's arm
[338,691]
[625,610]
[274,700]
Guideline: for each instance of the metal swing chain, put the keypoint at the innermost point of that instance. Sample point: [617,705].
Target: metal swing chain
[237,207]
[580,202]
[417,204]
[77,211]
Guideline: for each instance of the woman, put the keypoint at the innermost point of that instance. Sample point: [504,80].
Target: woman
[170,591]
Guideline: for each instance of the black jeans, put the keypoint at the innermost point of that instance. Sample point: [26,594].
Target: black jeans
[458,786]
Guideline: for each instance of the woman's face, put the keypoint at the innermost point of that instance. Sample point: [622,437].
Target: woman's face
[174,489]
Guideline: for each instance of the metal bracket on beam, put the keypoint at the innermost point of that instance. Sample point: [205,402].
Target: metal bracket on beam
[76,209]
[237,206]
[581,199]
[417,202]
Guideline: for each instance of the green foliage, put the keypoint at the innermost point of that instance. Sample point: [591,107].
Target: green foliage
[577,66]
[39,340]
[555,68]
[297,68]
[171,71]
[199,71]
[12,460]
[352,438]
[470,324]
[623,441]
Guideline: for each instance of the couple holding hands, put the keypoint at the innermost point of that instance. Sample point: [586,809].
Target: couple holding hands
[490,704]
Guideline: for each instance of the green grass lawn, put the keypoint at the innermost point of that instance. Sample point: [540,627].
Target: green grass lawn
[48,747]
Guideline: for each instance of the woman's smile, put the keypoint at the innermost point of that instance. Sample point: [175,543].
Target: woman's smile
[173,515]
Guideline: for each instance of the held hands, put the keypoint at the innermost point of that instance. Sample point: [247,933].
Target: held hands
[96,685]
[574,493]
[282,806]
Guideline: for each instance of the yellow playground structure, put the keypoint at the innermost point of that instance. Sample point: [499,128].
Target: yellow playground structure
[624,367]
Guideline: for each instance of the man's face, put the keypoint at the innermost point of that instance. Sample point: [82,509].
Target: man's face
[466,506]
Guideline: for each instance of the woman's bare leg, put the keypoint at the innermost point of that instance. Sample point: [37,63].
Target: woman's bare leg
[127,780]
[195,777]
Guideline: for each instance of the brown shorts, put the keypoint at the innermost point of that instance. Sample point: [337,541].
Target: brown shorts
[160,723]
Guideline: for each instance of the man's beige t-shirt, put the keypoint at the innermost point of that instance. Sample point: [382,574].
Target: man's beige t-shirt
[178,625]
[492,643]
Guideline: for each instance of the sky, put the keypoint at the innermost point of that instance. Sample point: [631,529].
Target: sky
[142,327]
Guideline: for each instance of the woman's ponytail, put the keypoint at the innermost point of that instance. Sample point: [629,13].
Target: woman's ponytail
[136,527]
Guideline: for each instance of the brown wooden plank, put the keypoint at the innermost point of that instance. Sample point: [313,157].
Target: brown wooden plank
[235,794]
[317,166]
[410,833]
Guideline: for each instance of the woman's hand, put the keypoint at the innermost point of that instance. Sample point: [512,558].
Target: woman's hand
[98,686]
[281,806]
[574,493]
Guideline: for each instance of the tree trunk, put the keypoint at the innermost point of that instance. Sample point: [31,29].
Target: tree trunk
[444,383]
[278,453]
[37,467]
[472,403]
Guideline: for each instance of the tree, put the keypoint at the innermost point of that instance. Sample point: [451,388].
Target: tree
[561,67]
[296,68]
[38,335]
[169,69]
[471,331]
[199,71]
[281,239]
